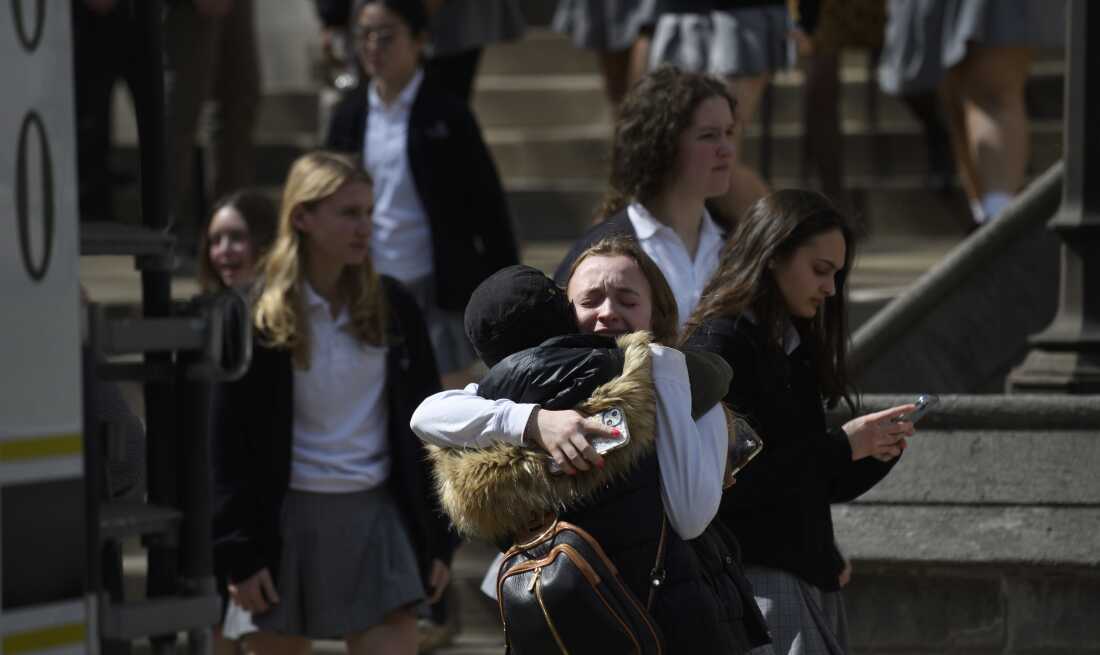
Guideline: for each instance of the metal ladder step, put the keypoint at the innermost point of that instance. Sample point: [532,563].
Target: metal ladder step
[105,238]
[157,616]
[132,518]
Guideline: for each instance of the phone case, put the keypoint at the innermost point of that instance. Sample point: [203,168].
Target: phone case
[747,445]
[613,418]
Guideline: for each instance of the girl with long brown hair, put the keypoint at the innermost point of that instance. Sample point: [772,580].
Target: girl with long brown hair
[325,525]
[775,310]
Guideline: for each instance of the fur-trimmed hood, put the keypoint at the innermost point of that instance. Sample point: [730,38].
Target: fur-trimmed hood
[503,490]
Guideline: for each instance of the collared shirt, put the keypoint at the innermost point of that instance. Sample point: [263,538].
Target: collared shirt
[340,440]
[686,275]
[401,236]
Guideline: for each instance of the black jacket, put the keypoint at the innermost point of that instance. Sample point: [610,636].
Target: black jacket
[251,429]
[705,604]
[779,509]
[457,182]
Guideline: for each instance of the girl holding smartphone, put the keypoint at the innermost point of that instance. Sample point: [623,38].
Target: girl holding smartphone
[776,311]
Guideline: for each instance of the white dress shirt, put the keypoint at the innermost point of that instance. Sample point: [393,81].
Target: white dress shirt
[691,454]
[340,442]
[401,237]
[686,275]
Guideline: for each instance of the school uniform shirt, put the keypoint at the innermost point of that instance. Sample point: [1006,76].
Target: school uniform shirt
[401,236]
[456,183]
[340,441]
[686,275]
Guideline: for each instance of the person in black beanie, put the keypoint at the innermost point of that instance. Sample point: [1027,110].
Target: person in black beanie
[525,328]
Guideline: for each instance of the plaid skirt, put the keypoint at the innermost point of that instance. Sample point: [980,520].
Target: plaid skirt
[605,25]
[743,42]
[803,619]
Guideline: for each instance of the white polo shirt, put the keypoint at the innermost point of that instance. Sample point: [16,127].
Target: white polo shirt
[340,437]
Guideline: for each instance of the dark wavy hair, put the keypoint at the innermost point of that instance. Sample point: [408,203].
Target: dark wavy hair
[656,111]
[772,230]
[260,213]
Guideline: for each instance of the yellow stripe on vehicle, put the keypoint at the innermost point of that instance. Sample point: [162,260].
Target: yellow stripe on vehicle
[45,639]
[56,445]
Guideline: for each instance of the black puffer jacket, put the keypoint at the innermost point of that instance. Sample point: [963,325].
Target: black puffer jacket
[705,604]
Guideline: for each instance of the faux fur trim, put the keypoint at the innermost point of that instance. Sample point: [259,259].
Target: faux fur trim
[501,491]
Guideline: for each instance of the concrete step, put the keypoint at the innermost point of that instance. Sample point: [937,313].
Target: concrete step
[577,152]
[577,99]
[901,205]
[543,51]
[581,151]
[541,100]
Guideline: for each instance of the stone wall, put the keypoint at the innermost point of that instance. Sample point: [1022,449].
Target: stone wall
[985,538]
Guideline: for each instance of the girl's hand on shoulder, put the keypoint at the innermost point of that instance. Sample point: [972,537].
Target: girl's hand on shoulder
[255,594]
[564,435]
[878,435]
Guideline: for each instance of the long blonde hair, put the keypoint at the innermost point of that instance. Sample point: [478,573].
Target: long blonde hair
[279,314]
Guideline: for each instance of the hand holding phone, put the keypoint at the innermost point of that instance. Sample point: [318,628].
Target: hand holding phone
[923,404]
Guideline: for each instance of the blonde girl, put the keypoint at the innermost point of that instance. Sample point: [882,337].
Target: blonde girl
[324,519]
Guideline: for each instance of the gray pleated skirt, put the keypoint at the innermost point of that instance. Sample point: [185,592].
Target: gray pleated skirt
[453,350]
[924,38]
[346,563]
[742,42]
[803,619]
[605,25]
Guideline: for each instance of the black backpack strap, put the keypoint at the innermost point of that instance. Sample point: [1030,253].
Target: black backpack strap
[657,575]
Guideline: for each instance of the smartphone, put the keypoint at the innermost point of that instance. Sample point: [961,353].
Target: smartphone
[924,403]
[612,418]
[747,445]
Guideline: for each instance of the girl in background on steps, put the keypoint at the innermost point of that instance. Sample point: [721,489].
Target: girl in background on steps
[240,231]
[441,223]
[672,151]
[978,55]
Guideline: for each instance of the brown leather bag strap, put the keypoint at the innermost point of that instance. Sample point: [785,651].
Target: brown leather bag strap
[657,575]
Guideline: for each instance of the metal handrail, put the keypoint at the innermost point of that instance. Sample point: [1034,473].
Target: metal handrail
[1034,206]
